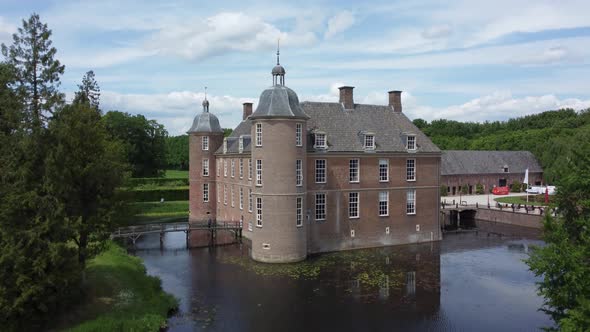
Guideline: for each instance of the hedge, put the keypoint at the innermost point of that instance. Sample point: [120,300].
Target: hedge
[156,182]
[154,195]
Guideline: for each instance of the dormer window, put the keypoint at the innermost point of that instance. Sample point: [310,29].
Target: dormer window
[369,141]
[320,141]
[411,143]
[225,145]
[241,144]
[505,168]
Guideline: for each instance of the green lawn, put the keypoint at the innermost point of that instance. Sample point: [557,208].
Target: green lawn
[156,212]
[175,174]
[120,296]
[520,200]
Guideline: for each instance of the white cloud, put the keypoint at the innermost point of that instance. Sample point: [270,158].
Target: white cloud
[339,23]
[102,59]
[6,31]
[437,31]
[221,33]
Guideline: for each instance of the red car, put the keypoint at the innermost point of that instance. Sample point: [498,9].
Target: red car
[500,190]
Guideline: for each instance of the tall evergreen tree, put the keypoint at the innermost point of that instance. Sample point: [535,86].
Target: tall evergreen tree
[37,70]
[88,91]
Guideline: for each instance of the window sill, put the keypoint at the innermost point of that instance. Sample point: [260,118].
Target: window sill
[321,182]
[320,220]
[258,226]
[384,215]
[357,217]
[411,214]
[414,180]
[358,181]
[383,181]
[299,226]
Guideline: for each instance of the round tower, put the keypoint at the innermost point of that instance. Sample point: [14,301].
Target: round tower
[279,162]
[205,137]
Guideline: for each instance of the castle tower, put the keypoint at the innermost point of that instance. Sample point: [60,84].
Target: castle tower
[279,161]
[205,137]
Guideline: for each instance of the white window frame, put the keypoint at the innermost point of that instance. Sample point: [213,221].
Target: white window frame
[232,196]
[250,200]
[218,168]
[225,145]
[383,169]
[258,134]
[369,137]
[411,170]
[321,170]
[205,166]
[258,172]
[258,211]
[224,194]
[205,143]
[413,145]
[411,202]
[250,169]
[320,206]
[233,168]
[299,212]
[225,167]
[241,144]
[324,140]
[354,170]
[299,172]
[354,205]
[299,134]
[383,206]
[241,198]
[218,192]
[241,168]
[205,192]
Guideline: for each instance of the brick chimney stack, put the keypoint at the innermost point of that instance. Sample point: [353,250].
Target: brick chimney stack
[395,100]
[346,98]
[247,110]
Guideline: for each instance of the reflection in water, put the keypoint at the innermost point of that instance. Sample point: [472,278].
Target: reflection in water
[465,282]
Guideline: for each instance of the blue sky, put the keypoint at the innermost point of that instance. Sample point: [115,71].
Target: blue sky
[462,60]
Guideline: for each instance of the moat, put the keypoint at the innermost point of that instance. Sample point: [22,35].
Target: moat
[469,281]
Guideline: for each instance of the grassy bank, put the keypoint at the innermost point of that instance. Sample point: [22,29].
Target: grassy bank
[120,296]
[520,200]
[156,212]
[175,174]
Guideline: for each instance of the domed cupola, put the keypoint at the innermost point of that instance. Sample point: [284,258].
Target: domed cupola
[205,122]
[278,100]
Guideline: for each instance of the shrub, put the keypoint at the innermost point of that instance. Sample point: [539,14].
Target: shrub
[479,189]
[464,189]
[444,190]
[154,195]
[156,182]
[516,187]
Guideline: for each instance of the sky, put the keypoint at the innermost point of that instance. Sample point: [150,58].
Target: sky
[461,60]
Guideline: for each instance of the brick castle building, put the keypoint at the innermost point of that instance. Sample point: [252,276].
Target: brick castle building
[314,177]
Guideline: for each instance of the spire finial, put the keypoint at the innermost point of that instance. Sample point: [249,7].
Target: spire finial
[206,103]
[278,49]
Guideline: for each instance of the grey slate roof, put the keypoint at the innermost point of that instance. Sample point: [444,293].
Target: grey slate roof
[278,101]
[488,162]
[243,129]
[345,128]
[205,122]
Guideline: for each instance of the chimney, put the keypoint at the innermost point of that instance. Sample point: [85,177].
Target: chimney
[247,110]
[395,101]
[346,97]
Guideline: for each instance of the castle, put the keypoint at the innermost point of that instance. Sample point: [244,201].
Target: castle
[314,177]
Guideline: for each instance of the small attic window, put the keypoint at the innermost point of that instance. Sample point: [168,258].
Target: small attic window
[320,140]
[505,168]
[241,144]
[225,145]
[369,141]
[411,142]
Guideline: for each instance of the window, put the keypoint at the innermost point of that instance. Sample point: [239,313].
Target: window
[298,172]
[241,168]
[258,172]
[250,200]
[299,207]
[411,142]
[320,171]
[383,170]
[250,169]
[353,205]
[383,203]
[218,167]
[369,141]
[205,167]
[241,144]
[259,134]
[225,194]
[205,192]
[259,211]
[225,145]
[505,169]
[411,201]
[225,168]
[353,170]
[241,198]
[298,134]
[233,168]
[411,169]
[232,196]
[320,206]
[205,143]
[218,192]
[320,141]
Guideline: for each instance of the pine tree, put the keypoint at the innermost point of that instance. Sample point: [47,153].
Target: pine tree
[88,91]
[37,70]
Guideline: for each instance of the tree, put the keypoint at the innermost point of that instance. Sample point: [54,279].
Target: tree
[144,142]
[83,170]
[420,123]
[564,263]
[10,105]
[37,72]
[177,152]
[88,91]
